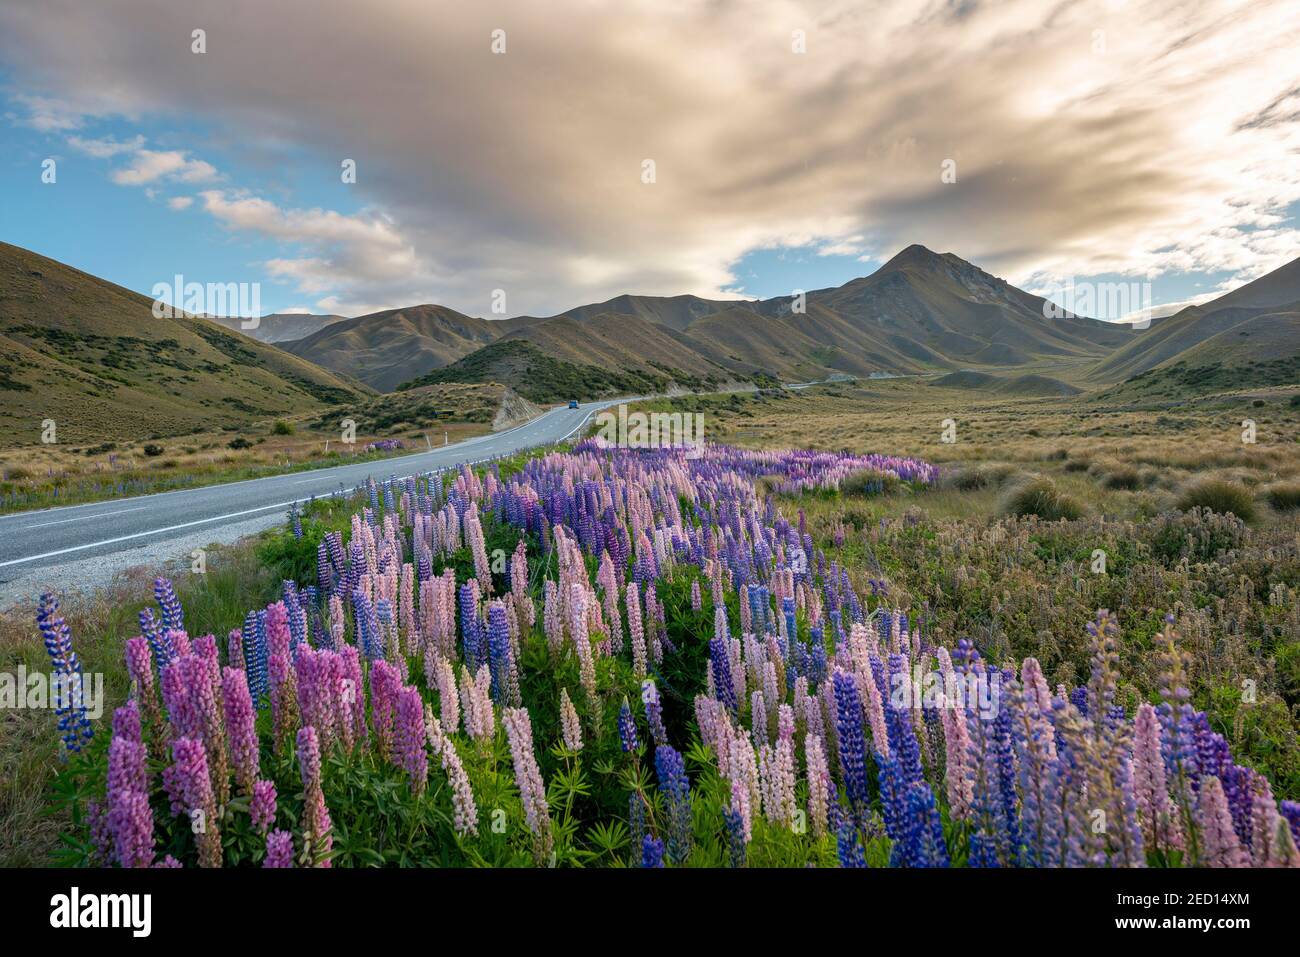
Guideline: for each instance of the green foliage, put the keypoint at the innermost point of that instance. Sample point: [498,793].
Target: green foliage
[282,427]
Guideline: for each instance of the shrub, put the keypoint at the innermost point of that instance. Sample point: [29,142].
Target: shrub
[1041,497]
[870,482]
[282,427]
[239,442]
[152,450]
[1283,496]
[1076,465]
[1218,495]
[1123,477]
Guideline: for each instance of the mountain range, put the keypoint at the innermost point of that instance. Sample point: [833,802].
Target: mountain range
[79,347]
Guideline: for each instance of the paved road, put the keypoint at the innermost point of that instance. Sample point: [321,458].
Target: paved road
[53,537]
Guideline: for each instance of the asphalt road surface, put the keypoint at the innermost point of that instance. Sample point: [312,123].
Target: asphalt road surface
[54,537]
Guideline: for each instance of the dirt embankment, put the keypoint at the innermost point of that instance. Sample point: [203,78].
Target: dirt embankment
[514,410]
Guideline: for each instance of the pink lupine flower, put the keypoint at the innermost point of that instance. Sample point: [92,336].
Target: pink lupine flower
[262,807]
[409,736]
[465,819]
[240,730]
[279,850]
[636,630]
[284,698]
[317,695]
[528,778]
[476,704]
[130,819]
[697,602]
[235,648]
[819,784]
[571,729]
[385,682]
[1155,809]
[192,791]
[139,667]
[406,607]
[1219,844]
[316,819]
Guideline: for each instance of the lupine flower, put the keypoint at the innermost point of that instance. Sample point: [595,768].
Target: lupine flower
[192,795]
[70,703]
[316,826]
[262,806]
[571,729]
[676,789]
[462,797]
[240,731]
[279,849]
[140,670]
[409,736]
[652,852]
[627,729]
[532,792]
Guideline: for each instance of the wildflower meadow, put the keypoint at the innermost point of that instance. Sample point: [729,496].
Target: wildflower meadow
[612,658]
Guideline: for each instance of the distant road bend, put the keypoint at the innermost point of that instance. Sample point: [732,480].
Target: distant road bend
[31,540]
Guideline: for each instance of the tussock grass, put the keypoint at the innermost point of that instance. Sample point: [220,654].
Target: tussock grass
[1218,495]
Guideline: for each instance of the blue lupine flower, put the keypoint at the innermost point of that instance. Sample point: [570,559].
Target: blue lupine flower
[652,852]
[721,663]
[160,642]
[736,848]
[498,630]
[627,728]
[676,789]
[847,845]
[69,699]
[255,653]
[173,616]
[852,745]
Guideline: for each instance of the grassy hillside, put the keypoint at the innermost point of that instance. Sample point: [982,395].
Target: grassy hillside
[539,377]
[396,345]
[91,356]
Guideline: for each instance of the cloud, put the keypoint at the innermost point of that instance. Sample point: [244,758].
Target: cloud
[105,148]
[1150,138]
[180,202]
[148,166]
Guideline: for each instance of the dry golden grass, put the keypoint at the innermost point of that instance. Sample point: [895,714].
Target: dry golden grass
[1123,460]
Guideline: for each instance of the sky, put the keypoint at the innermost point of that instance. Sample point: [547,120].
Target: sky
[537,156]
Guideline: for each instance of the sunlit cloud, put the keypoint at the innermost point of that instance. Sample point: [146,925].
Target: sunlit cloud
[1146,139]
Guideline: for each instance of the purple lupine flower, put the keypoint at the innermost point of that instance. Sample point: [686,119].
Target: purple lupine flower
[262,807]
[70,701]
[852,744]
[652,852]
[279,849]
[676,789]
[240,731]
[409,737]
[627,729]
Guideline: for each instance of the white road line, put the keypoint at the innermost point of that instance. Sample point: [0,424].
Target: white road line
[64,521]
[153,531]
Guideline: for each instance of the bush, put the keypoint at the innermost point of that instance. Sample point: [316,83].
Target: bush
[976,477]
[1284,496]
[1123,477]
[152,450]
[868,482]
[1041,497]
[282,427]
[239,442]
[1218,495]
